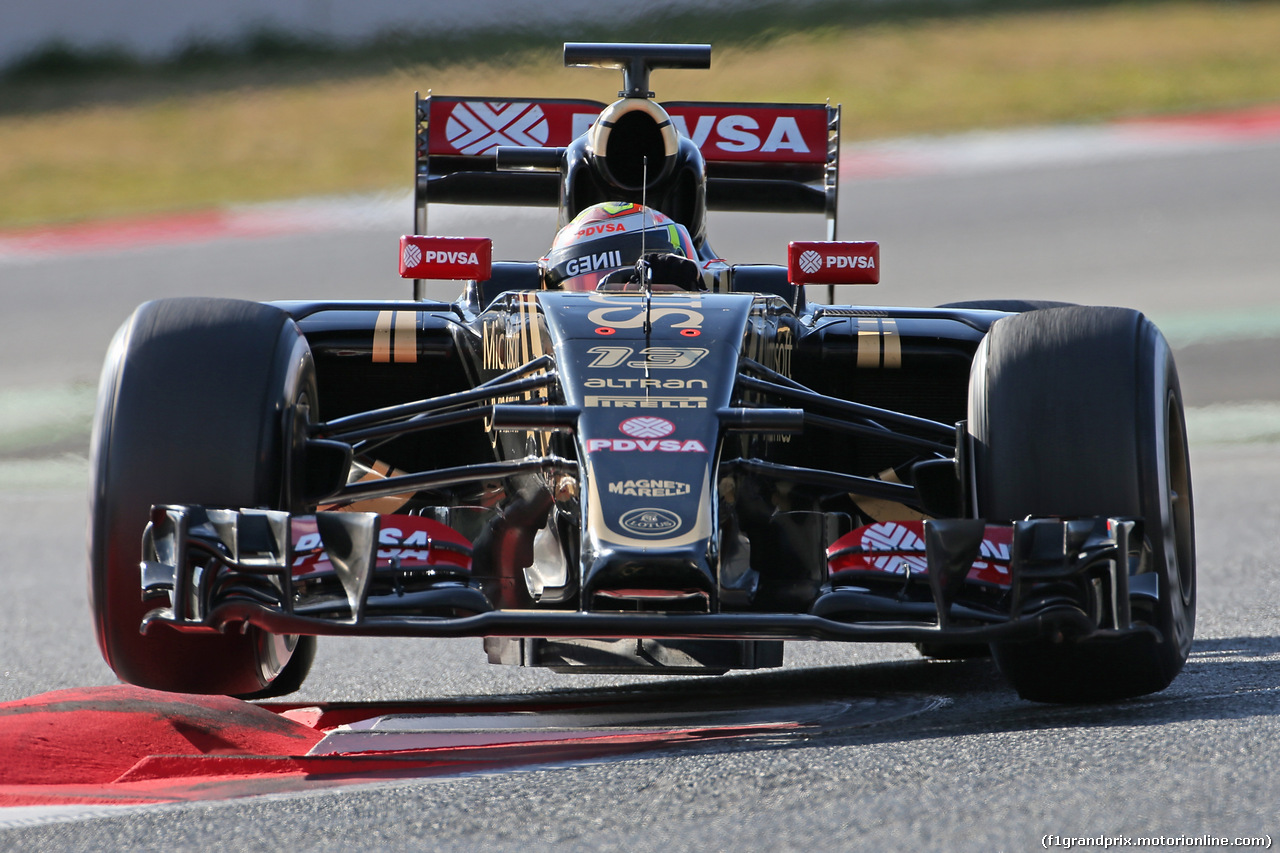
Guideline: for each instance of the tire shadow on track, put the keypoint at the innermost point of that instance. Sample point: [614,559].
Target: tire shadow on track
[1225,679]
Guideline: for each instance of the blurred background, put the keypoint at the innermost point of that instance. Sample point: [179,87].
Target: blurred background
[143,106]
[1094,151]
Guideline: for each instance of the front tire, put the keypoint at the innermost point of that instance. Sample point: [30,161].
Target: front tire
[202,401]
[1013,306]
[1077,412]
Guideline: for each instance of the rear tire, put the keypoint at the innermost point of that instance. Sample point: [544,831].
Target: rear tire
[1077,411]
[202,401]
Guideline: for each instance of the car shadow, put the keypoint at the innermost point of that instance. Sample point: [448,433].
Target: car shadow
[1225,679]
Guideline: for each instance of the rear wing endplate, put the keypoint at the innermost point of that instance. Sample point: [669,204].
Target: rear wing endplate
[781,158]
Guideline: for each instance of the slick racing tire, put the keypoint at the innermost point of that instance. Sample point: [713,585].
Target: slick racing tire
[1076,412]
[202,401]
[969,651]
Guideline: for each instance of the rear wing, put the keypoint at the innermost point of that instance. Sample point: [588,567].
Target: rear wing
[782,158]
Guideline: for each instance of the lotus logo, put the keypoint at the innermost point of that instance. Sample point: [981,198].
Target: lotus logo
[650,521]
[647,427]
[478,127]
[810,261]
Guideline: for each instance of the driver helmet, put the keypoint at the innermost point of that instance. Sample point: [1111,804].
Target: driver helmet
[609,237]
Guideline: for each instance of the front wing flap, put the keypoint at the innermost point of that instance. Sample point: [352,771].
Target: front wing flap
[332,573]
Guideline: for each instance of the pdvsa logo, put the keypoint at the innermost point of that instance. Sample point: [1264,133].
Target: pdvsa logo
[812,262]
[745,133]
[834,262]
[445,257]
[647,427]
[650,521]
[898,547]
[645,445]
[432,256]
[891,536]
[412,256]
[479,127]
[850,262]
[601,228]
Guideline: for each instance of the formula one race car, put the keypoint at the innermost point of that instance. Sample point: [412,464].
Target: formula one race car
[631,455]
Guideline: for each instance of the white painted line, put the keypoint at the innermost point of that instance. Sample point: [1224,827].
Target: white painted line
[16,817]
[406,732]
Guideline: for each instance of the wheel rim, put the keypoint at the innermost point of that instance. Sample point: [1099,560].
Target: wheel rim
[274,653]
[1178,604]
[276,650]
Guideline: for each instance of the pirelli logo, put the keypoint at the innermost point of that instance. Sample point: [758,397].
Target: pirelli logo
[395,337]
[629,401]
[879,344]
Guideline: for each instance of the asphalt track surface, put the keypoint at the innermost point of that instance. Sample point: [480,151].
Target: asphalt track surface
[1190,237]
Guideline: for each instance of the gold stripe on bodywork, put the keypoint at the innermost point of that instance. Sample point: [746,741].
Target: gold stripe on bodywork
[406,349]
[868,343]
[892,344]
[535,332]
[878,509]
[382,337]
[522,336]
[526,328]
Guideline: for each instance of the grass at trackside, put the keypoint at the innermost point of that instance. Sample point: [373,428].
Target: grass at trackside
[336,134]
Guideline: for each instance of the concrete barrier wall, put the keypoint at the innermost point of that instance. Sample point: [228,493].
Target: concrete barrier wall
[157,28]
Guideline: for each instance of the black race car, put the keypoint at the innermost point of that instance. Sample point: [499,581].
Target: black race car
[631,455]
